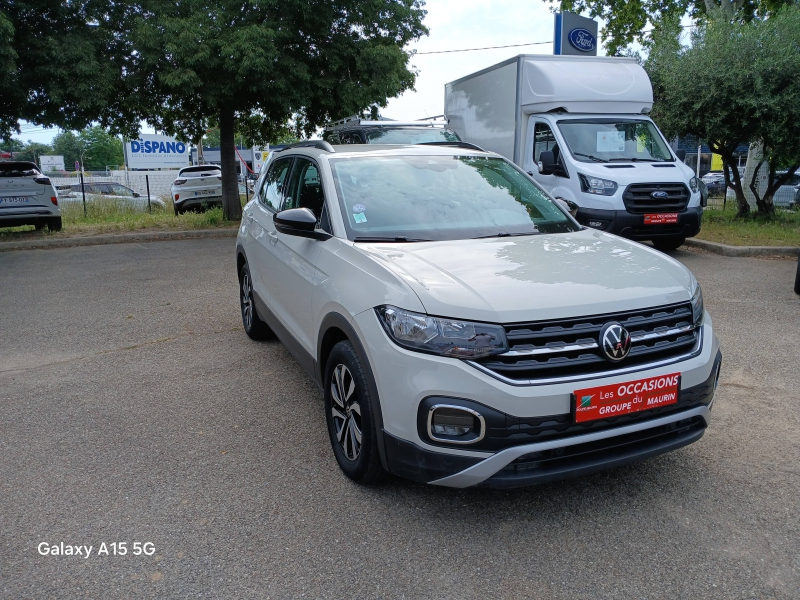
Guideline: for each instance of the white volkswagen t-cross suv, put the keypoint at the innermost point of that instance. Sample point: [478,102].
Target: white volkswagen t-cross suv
[465,329]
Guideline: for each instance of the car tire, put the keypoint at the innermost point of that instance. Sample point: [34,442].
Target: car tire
[254,327]
[177,210]
[349,412]
[39,225]
[54,224]
[668,244]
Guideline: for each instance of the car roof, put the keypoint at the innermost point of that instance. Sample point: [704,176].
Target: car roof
[350,150]
[17,165]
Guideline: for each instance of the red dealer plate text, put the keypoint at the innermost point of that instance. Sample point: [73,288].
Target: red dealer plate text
[661,219]
[628,397]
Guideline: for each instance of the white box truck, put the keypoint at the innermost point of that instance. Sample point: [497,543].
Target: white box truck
[579,127]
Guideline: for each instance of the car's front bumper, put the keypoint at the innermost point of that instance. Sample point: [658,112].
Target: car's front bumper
[631,226]
[537,414]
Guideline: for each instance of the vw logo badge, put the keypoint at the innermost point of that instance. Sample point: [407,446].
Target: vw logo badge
[660,194]
[615,341]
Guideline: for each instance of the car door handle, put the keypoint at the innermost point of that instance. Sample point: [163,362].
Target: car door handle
[273,237]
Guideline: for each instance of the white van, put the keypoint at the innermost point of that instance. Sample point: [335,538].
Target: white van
[579,127]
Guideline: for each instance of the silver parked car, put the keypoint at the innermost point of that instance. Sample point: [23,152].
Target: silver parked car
[108,193]
[27,197]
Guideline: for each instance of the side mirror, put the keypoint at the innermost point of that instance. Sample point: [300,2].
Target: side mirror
[136,194]
[547,163]
[681,154]
[300,222]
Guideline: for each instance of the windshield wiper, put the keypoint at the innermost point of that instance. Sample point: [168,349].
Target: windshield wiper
[594,158]
[506,234]
[397,238]
[617,159]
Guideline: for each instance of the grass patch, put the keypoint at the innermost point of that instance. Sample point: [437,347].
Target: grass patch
[721,225]
[108,218]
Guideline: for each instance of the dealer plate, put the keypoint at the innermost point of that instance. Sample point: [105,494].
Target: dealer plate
[15,200]
[661,219]
[618,399]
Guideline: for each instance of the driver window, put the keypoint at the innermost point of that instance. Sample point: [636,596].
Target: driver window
[543,140]
[305,189]
[270,192]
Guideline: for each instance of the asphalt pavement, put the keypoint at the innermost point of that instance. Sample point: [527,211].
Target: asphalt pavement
[135,409]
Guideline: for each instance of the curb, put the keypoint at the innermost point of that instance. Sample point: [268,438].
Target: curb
[120,238]
[739,251]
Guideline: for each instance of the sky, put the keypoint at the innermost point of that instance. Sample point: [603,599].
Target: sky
[454,25]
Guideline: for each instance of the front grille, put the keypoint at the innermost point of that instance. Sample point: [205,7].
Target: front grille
[638,197]
[569,347]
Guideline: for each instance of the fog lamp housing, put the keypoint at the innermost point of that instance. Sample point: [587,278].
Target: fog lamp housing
[455,424]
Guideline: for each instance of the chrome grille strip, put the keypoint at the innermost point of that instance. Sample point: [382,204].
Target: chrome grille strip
[592,345]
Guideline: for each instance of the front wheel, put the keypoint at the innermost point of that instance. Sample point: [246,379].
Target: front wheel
[349,411]
[254,327]
[668,244]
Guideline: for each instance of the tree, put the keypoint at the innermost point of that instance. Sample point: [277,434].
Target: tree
[63,64]
[101,149]
[255,65]
[68,145]
[32,151]
[738,82]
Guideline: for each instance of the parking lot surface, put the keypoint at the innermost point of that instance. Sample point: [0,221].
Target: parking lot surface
[135,409]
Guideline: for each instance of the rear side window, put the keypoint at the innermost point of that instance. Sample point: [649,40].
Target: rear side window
[271,192]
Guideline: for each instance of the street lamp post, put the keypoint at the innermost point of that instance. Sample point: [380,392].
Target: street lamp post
[83,186]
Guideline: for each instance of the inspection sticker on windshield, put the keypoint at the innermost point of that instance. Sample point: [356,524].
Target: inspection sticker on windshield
[618,399]
[360,217]
[661,219]
[359,208]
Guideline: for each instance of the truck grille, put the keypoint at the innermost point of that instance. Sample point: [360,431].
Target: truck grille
[638,197]
[570,348]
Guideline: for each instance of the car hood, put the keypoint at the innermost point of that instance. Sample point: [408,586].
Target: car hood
[507,280]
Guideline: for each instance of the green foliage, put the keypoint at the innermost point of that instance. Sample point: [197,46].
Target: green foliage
[737,82]
[100,149]
[32,151]
[62,64]
[627,20]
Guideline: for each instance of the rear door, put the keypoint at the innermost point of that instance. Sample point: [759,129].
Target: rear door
[262,257]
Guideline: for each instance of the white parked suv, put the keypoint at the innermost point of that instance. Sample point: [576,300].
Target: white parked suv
[465,329]
[197,187]
[27,197]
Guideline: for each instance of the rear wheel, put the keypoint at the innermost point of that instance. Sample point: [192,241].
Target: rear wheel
[667,244]
[350,416]
[39,225]
[254,327]
[54,224]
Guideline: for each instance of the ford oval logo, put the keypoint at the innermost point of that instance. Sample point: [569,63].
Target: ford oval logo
[659,194]
[582,39]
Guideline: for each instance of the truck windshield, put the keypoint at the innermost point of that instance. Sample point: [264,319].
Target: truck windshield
[434,197]
[607,140]
[418,135]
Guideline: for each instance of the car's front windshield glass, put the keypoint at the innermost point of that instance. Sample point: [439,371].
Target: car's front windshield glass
[438,197]
[416,135]
[609,140]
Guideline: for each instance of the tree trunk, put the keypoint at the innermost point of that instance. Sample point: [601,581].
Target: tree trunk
[231,205]
[755,175]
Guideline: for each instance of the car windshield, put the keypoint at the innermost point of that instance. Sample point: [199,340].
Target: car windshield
[608,140]
[420,198]
[411,135]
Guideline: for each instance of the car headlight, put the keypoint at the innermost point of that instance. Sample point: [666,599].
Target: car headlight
[445,337]
[595,185]
[693,183]
[697,306]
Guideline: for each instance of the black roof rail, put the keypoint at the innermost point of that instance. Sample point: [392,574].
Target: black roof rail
[318,144]
[466,145]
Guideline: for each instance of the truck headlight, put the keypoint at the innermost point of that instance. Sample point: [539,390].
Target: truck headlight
[697,306]
[693,183]
[595,185]
[445,337]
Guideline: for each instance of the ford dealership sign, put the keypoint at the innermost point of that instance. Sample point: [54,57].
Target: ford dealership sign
[156,152]
[582,39]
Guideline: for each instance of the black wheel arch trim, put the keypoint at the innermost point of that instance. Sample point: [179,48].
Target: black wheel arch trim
[335,320]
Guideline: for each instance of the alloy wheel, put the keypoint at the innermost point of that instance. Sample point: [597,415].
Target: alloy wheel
[346,412]
[247,300]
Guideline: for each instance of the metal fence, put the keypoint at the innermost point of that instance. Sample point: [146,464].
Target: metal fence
[160,181]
